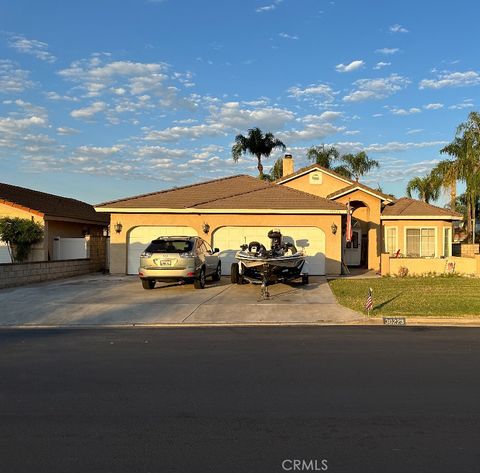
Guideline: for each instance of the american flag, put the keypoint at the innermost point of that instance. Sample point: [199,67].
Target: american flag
[349,232]
[369,303]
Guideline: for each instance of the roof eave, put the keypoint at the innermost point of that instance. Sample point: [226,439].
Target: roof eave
[222,211]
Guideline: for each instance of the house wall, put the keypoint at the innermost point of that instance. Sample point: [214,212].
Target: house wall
[118,241]
[38,252]
[329,184]
[401,225]
[369,218]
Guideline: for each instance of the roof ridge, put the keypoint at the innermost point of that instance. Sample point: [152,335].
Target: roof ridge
[312,166]
[268,184]
[365,187]
[171,189]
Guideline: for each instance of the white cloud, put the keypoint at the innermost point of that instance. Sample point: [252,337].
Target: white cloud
[65,130]
[55,96]
[269,7]
[231,114]
[176,133]
[89,111]
[314,90]
[387,51]
[451,79]
[374,89]
[395,146]
[433,106]
[381,65]
[398,29]
[329,115]
[467,103]
[12,78]
[31,46]
[353,66]
[287,36]
[414,131]
[99,151]
[404,111]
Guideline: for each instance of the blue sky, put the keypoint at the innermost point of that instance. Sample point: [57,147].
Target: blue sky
[106,99]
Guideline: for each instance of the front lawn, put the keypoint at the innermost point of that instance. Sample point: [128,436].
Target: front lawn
[435,296]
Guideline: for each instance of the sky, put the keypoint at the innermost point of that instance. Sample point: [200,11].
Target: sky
[105,99]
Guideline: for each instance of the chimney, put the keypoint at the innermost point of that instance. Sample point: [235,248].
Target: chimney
[287,165]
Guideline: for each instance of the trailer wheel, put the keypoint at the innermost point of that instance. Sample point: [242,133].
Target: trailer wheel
[234,273]
[305,279]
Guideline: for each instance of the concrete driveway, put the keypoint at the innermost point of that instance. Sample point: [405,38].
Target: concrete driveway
[120,300]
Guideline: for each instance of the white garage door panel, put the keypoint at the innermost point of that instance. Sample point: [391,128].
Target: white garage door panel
[309,239]
[140,237]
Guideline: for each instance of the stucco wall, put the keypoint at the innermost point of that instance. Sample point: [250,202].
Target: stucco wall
[420,266]
[118,242]
[329,184]
[369,217]
[401,225]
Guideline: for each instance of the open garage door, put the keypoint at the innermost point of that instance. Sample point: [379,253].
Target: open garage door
[309,239]
[140,237]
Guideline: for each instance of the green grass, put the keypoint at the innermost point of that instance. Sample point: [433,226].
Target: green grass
[418,297]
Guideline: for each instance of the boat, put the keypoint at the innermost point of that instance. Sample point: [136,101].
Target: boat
[281,263]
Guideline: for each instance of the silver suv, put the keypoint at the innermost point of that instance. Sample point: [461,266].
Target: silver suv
[179,258]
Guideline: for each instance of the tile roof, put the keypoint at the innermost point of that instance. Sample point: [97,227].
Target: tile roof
[189,196]
[236,192]
[50,205]
[357,185]
[406,207]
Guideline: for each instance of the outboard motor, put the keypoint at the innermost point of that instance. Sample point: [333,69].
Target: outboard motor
[276,238]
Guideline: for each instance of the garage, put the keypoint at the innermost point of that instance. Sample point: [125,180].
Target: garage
[140,237]
[309,239]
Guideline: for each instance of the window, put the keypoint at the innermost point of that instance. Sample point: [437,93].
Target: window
[391,240]
[169,246]
[420,242]
[447,243]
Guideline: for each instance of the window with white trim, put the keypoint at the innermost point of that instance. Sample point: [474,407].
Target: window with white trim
[447,242]
[391,240]
[420,242]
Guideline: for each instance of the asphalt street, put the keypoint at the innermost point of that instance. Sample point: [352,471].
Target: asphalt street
[221,400]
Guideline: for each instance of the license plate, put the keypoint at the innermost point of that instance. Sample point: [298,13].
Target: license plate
[166,262]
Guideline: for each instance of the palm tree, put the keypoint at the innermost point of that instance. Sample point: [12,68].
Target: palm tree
[445,175]
[257,144]
[465,148]
[324,155]
[426,188]
[358,164]
[277,170]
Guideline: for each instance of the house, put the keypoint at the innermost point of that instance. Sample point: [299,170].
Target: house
[309,206]
[61,217]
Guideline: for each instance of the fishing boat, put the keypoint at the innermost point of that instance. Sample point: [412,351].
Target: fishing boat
[281,263]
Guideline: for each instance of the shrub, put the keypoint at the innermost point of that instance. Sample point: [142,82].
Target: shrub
[20,234]
[402,272]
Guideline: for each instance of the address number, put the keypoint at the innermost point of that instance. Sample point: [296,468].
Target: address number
[394,321]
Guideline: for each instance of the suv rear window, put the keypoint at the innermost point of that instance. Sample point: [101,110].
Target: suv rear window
[170,246]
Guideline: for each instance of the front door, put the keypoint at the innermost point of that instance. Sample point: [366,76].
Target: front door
[353,249]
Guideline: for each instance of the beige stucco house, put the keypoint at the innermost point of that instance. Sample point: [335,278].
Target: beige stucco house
[61,217]
[309,206]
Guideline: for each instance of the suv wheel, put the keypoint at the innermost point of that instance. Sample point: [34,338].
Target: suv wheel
[199,282]
[218,273]
[148,283]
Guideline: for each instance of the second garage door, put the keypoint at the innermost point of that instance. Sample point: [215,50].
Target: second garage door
[140,237]
[309,239]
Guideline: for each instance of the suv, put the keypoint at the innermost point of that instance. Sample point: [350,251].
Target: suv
[179,258]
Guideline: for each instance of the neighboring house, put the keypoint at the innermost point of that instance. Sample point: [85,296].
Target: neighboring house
[309,207]
[61,217]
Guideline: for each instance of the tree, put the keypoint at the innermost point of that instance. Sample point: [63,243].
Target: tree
[20,234]
[426,188]
[465,148]
[445,175]
[358,164]
[256,143]
[277,170]
[324,156]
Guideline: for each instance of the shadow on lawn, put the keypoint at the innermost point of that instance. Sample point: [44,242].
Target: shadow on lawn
[383,304]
